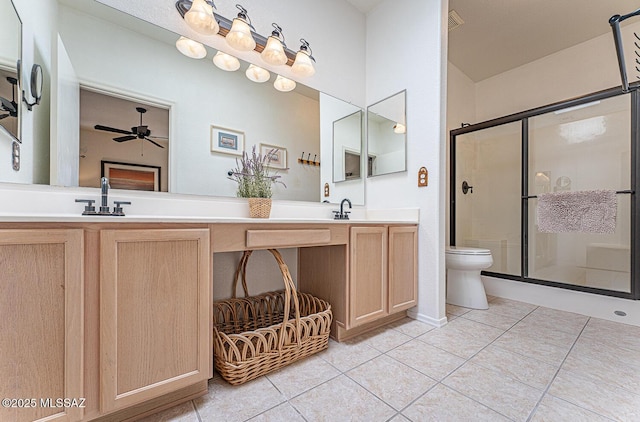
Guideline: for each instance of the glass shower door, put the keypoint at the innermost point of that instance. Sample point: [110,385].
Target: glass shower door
[582,148]
[487,211]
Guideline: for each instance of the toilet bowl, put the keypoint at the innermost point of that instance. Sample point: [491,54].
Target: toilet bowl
[464,285]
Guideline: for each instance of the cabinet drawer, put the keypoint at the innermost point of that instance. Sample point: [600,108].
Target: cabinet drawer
[287,238]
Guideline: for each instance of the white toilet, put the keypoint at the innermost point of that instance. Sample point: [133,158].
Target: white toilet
[464,285]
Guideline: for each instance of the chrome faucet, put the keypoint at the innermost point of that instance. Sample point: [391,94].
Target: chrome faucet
[89,209]
[342,214]
[104,191]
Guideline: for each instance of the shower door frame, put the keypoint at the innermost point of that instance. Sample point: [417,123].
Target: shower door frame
[523,118]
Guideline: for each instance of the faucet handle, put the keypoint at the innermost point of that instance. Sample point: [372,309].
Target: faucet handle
[89,209]
[117,209]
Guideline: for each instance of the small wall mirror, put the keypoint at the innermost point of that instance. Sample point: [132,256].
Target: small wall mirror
[387,136]
[347,147]
[10,49]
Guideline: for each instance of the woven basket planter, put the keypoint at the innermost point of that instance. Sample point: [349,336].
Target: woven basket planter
[259,207]
[255,335]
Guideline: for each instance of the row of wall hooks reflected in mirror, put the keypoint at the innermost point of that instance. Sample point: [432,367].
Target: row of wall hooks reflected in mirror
[308,160]
[240,35]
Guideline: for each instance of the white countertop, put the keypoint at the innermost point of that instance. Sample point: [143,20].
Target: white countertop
[40,203]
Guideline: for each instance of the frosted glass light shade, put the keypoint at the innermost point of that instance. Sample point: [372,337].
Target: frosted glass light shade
[226,62]
[303,65]
[273,52]
[191,48]
[257,74]
[200,18]
[239,36]
[283,84]
[399,128]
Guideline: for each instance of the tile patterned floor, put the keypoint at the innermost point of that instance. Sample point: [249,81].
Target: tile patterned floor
[512,362]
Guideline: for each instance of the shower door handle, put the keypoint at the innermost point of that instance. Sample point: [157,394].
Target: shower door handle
[466,188]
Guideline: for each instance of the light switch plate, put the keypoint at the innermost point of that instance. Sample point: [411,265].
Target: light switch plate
[15,155]
[423,177]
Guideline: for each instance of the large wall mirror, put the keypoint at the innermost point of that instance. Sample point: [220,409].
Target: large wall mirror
[10,53]
[124,65]
[387,135]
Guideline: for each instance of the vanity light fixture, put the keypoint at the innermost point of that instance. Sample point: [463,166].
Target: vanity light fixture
[226,62]
[272,48]
[303,65]
[257,74]
[200,18]
[273,52]
[191,48]
[283,84]
[239,36]
[399,128]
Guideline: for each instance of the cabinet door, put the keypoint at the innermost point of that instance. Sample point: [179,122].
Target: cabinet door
[368,275]
[41,335]
[403,267]
[155,308]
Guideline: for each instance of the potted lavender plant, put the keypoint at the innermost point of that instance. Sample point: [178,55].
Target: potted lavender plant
[255,181]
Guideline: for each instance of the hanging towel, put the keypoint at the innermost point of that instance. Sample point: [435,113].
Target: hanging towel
[582,211]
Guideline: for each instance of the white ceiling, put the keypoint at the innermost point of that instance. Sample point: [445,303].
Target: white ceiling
[499,35]
[365,6]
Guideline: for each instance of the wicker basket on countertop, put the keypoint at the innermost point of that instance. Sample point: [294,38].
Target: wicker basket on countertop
[259,207]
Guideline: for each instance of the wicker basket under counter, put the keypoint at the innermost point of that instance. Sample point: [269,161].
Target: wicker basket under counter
[255,335]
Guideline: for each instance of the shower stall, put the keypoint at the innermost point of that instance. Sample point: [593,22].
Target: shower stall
[499,167]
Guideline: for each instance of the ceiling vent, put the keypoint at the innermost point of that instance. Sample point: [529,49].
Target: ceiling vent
[454,20]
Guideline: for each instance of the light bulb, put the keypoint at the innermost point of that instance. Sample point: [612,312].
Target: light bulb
[191,48]
[283,84]
[200,18]
[303,65]
[257,74]
[239,36]
[226,62]
[273,52]
[399,128]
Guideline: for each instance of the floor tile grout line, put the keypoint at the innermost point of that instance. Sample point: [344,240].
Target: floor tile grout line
[195,408]
[555,375]
[466,360]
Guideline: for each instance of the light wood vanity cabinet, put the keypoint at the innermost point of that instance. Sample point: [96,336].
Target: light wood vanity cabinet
[380,282]
[41,335]
[368,292]
[155,301]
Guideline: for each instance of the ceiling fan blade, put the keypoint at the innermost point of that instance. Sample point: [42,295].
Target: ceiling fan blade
[124,138]
[112,129]
[7,105]
[157,137]
[154,142]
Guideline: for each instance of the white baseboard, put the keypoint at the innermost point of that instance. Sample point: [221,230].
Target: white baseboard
[427,319]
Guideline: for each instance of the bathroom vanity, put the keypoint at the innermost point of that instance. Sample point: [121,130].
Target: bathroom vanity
[116,313]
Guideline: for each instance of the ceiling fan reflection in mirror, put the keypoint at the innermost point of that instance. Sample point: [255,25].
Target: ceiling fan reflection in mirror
[11,107]
[137,132]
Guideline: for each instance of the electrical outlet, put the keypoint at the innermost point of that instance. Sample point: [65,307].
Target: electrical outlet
[423,177]
[326,190]
[15,155]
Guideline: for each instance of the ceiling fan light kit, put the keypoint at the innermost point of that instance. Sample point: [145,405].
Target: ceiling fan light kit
[240,35]
[137,132]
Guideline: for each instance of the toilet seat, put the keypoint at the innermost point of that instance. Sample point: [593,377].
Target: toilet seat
[462,250]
